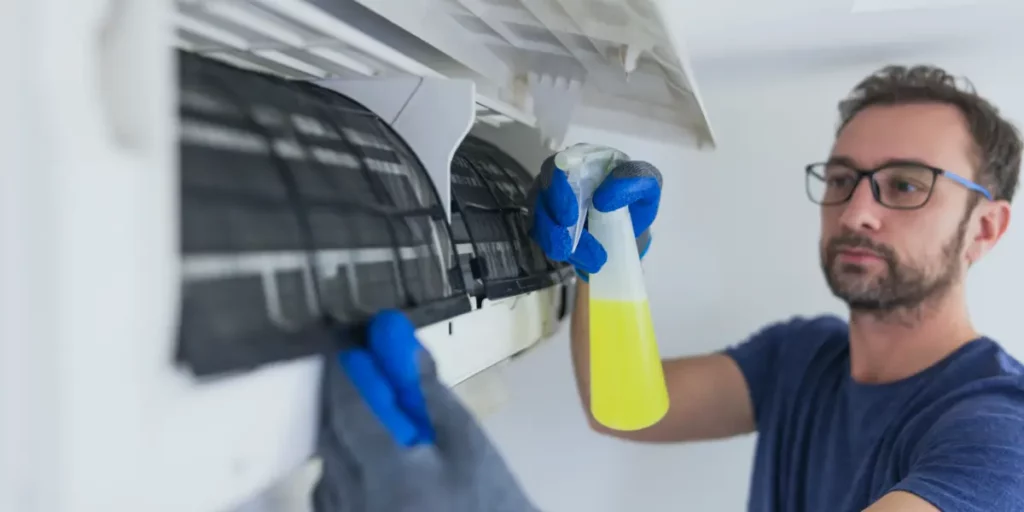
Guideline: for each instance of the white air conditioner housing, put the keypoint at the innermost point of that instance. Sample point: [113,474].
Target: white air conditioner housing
[104,418]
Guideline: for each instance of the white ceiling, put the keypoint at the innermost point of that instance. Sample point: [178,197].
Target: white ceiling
[777,30]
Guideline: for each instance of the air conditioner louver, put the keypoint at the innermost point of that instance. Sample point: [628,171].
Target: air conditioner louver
[614,65]
[302,213]
[489,223]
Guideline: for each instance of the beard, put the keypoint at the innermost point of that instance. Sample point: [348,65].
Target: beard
[903,285]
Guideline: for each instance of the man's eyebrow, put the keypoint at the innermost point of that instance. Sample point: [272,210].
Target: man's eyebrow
[843,160]
[849,162]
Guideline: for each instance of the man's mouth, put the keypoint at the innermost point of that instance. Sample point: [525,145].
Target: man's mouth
[857,255]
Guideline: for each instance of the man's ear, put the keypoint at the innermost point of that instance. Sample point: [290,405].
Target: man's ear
[991,220]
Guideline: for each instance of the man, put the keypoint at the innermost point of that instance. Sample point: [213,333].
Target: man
[905,407]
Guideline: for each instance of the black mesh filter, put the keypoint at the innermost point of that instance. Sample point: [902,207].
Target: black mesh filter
[302,213]
[489,224]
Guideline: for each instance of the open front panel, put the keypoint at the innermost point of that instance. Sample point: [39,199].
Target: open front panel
[490,224]
[615,65]
[302,213]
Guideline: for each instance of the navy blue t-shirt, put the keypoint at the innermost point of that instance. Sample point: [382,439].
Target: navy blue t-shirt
[952,434]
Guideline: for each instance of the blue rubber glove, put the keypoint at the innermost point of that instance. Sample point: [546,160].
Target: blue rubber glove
[633,183]
[395,439]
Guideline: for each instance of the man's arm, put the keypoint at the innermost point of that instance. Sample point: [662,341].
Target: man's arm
[901,501]
[708,395]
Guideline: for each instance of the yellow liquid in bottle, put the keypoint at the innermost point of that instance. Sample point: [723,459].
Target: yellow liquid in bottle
[627,382]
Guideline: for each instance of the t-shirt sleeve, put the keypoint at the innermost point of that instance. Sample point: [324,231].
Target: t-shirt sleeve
[972,459]
[760,360]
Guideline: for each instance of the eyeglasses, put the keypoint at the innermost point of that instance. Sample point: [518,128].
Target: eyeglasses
[896,185]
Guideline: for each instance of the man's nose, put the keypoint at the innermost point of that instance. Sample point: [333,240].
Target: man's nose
[862,211]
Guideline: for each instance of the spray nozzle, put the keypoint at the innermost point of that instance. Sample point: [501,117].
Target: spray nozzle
[586,166]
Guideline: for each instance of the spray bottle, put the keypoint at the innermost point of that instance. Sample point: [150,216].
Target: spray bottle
[627,382]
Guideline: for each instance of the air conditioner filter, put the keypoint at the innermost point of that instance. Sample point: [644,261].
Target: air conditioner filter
[302,214]
[489,223]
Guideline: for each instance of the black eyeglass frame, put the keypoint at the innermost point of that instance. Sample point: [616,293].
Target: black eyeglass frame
[809,171]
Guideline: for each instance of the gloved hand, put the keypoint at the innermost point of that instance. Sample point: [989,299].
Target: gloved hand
[395,439]
[633,183]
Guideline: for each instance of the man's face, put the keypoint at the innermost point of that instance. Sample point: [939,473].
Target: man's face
[880,259]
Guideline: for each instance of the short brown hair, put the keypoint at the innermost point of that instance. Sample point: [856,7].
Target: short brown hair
[997,141]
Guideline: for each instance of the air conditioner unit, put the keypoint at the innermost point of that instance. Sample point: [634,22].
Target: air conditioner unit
[197,185]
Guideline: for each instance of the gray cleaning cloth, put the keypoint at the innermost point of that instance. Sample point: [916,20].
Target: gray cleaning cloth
[365,470]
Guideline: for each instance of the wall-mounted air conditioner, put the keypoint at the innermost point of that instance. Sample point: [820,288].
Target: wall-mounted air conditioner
[302,213]
[208,195]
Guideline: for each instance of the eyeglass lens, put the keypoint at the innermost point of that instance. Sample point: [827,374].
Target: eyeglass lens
[898,186]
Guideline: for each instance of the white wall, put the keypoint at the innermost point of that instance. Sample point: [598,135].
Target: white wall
[735,247]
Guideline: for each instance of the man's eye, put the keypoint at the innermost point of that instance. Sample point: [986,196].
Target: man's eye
[905,186]
[840,181]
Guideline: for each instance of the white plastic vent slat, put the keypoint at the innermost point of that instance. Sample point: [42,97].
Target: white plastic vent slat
[623,52]
[299,40]
[625,61]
